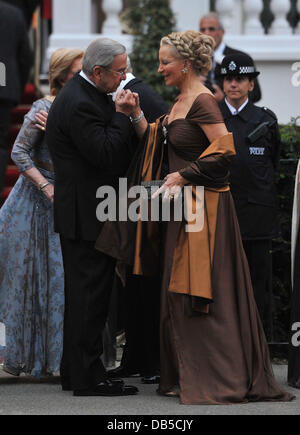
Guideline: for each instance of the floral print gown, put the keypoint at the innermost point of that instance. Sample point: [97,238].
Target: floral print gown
[31,268]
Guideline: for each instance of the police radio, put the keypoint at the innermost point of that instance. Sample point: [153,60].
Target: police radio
[260,131]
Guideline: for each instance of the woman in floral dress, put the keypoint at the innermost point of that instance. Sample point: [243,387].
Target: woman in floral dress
[31,268]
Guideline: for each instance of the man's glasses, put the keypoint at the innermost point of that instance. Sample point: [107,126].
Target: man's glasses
[210,29]
[120,73]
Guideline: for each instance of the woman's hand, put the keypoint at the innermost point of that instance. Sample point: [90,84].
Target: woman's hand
[137,108]
[126,102]
[172,188]
[41,119]
[48,191]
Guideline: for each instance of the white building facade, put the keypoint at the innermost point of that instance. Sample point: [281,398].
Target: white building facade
[277,54]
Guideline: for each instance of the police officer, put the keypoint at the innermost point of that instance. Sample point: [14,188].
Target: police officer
[254,170]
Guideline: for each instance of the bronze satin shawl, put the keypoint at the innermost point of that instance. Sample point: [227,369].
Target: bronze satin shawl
[193,257]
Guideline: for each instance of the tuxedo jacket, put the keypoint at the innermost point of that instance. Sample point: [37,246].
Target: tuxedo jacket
[15,52]
[89,143]
[151,102]
[256,95]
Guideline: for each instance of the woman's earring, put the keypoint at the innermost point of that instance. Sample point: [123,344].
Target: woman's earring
[185,70]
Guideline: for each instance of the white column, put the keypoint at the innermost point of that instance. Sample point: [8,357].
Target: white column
[238,18]
[252,10]
[75,24]
[73,16]
[112,9]
[231,16]
[188,18]
[225,9]
[280,9]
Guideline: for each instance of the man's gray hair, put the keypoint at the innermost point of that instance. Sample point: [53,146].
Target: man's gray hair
[101,52]
[215,16]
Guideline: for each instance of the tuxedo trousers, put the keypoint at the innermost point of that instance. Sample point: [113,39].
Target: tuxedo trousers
[89,278]
[141,313]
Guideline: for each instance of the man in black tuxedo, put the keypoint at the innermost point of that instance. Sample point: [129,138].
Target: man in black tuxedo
[211,25]
[15,59]
[89,142]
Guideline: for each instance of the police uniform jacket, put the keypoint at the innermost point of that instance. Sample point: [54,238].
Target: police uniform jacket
[254,171]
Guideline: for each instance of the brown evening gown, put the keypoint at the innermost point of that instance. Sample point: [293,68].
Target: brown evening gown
[221,357]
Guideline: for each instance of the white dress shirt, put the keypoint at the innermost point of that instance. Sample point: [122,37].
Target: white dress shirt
[235,111]
[85,77]
[219,53]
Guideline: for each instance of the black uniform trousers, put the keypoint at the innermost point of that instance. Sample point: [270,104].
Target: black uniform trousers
[88,283]
[6,108]
[259,257]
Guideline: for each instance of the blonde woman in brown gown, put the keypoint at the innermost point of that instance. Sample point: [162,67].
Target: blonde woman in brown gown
[213,348]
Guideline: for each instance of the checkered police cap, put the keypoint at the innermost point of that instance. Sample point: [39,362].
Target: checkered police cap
[238,64]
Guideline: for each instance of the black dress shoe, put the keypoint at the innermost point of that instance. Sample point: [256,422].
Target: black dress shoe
[150,380]
[108,388]
[11,371]
[122,372]
[116,381]
[67,387]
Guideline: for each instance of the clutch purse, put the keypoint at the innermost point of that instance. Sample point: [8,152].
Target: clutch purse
[152,186]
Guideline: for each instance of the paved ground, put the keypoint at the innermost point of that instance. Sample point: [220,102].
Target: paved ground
[24,396]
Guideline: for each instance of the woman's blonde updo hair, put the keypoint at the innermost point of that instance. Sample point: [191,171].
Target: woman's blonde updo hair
[193,46]
[60,63]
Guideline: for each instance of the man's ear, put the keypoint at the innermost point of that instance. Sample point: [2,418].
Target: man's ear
[98,72]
